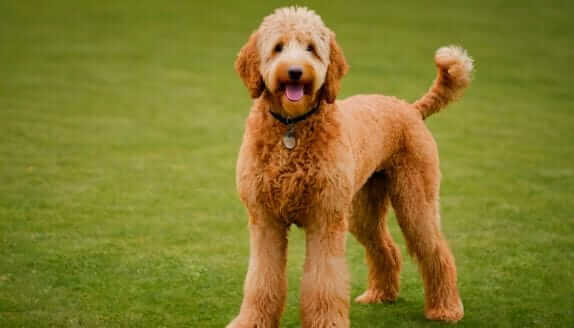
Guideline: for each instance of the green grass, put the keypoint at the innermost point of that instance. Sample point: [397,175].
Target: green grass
[120,123]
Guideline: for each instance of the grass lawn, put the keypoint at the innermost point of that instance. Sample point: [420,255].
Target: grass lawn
[120,123]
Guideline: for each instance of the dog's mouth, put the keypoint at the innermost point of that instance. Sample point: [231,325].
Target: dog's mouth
[295,91]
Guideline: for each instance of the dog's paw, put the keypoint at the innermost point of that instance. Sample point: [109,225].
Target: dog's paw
[247,321]
[240,322]
[373,296]
[447,315]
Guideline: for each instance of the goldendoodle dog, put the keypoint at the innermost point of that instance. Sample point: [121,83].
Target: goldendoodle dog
[330,166]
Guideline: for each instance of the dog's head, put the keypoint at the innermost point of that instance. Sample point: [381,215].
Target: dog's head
[295,57]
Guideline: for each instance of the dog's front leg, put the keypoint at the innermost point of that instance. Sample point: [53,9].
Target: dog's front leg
[265,285]
[325,284]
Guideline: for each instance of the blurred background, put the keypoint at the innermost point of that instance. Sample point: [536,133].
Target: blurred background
[120,123]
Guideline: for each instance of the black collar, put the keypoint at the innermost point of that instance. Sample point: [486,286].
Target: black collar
[289,121]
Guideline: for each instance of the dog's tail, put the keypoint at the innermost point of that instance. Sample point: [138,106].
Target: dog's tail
[454,73]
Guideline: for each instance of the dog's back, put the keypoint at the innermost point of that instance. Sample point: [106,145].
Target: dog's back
[387,119]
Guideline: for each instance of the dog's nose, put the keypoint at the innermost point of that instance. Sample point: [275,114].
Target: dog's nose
[295,73]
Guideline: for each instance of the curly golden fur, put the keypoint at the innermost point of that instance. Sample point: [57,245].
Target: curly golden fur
[353,159]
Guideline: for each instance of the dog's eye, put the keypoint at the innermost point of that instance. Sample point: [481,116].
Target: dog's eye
[310,48]
[278,47]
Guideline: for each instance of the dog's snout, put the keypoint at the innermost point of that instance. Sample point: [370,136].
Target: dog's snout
[295,73]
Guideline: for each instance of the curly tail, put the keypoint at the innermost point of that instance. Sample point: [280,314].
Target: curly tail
[454,73]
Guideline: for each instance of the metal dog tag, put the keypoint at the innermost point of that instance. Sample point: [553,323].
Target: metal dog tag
[289,140]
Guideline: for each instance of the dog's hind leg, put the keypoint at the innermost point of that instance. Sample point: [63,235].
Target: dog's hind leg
[369,226]
[414,196]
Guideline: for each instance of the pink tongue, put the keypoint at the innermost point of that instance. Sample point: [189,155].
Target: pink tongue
[294,92]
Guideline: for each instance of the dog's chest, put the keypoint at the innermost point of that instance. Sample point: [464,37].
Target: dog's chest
[292,183]
[287,183]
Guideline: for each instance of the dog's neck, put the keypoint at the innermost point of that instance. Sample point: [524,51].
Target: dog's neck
[293,120]
[307,132]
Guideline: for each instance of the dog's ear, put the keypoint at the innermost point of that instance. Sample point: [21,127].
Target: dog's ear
[337,69]
[247,66]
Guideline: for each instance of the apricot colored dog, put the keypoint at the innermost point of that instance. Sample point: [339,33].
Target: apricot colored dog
[331,166]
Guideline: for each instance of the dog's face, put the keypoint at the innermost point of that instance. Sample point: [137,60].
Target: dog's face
[295,58]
